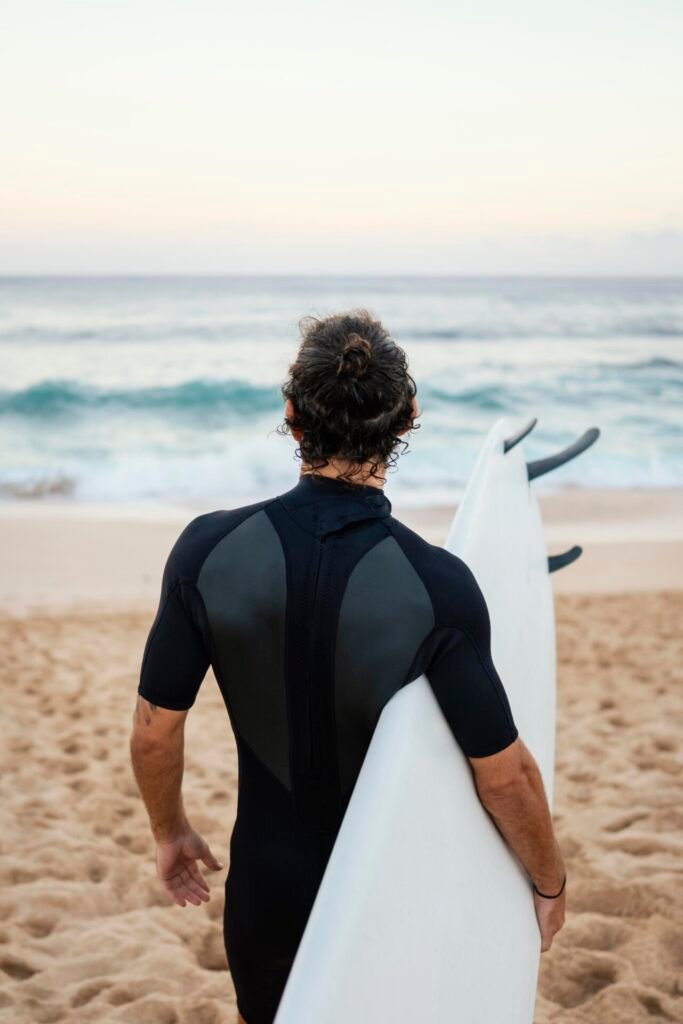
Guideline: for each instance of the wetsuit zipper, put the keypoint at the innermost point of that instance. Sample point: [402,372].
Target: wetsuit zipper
[312,761]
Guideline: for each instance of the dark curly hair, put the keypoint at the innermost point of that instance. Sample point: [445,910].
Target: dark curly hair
[351,392]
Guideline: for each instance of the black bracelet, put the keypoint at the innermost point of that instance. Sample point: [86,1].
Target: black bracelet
[555,896]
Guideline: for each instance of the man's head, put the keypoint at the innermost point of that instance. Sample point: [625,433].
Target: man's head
[349,396]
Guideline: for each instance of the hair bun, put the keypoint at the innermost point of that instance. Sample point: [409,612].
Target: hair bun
[355,357]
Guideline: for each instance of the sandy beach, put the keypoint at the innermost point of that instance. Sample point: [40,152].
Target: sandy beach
[87,935]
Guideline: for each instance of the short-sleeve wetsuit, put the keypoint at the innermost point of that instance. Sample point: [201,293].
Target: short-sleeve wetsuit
[313,608]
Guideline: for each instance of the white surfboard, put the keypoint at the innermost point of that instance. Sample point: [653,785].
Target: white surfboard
[424,913]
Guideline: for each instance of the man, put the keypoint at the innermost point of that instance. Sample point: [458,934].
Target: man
[313,608]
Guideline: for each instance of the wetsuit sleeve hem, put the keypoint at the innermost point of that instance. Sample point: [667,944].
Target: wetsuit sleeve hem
[163,702]
[496,749]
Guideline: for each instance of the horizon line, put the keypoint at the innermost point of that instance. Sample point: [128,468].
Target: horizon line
[333,275]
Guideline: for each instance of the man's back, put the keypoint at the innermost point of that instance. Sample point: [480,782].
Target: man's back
[313,608]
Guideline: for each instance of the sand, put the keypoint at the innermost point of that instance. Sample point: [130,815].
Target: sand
[86,934]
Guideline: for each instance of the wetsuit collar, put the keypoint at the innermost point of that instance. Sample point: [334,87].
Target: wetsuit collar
[328,504]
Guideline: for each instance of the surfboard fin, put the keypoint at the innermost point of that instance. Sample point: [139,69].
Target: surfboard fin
[550,462]
[510,442]
[556,562]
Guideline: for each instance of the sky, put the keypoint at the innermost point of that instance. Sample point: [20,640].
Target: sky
[357,137]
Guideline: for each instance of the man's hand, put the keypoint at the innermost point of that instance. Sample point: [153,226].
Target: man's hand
[510,787]
[178,869]
[156,747]
[550,917]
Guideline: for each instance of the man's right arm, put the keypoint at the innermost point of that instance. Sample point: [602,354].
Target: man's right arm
[510,787]
[475,704]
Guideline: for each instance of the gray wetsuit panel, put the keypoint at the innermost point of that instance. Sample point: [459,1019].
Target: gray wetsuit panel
[244,587]
[385,615]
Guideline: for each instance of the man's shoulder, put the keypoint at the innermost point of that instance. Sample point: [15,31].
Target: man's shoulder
[201,535]
[450,581]
[431,557]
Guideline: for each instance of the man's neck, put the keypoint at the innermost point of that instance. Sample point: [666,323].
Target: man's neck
[336,468]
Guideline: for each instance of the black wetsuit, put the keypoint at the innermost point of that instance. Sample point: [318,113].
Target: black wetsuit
[313,608]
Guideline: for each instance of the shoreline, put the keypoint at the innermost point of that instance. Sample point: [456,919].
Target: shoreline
[59,556]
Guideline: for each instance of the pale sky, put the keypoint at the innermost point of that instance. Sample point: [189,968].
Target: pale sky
[350,137]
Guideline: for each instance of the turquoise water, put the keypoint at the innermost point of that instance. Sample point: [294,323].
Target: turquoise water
[167,389]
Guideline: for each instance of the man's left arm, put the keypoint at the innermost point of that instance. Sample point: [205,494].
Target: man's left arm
[157,754]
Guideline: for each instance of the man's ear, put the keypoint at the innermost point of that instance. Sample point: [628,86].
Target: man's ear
[414,413]
[290,414]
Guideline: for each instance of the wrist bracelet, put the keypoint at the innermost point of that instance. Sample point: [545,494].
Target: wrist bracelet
[555,895]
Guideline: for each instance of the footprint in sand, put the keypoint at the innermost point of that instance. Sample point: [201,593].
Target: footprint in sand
[614,899]
[210,952]
[16,968]
[135,844]
[578,976]
[643,845]
[653,1004]
[625,821]
[80,785]
[581,775]
[39,925]
[591,931]
[97,872]
[204,1013]
[666,744]
[670,939]
[86,993]
[45,1013]
[149,1011]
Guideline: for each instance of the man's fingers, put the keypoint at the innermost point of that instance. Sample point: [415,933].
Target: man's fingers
[184,889]
[197,875]
[193,886]
[175,894]
[210,861]
[191,897]
[189,888]
[187,883]
[184,892]
[547,936]
[204,896]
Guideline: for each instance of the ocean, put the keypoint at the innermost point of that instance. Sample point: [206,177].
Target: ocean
[167,389]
